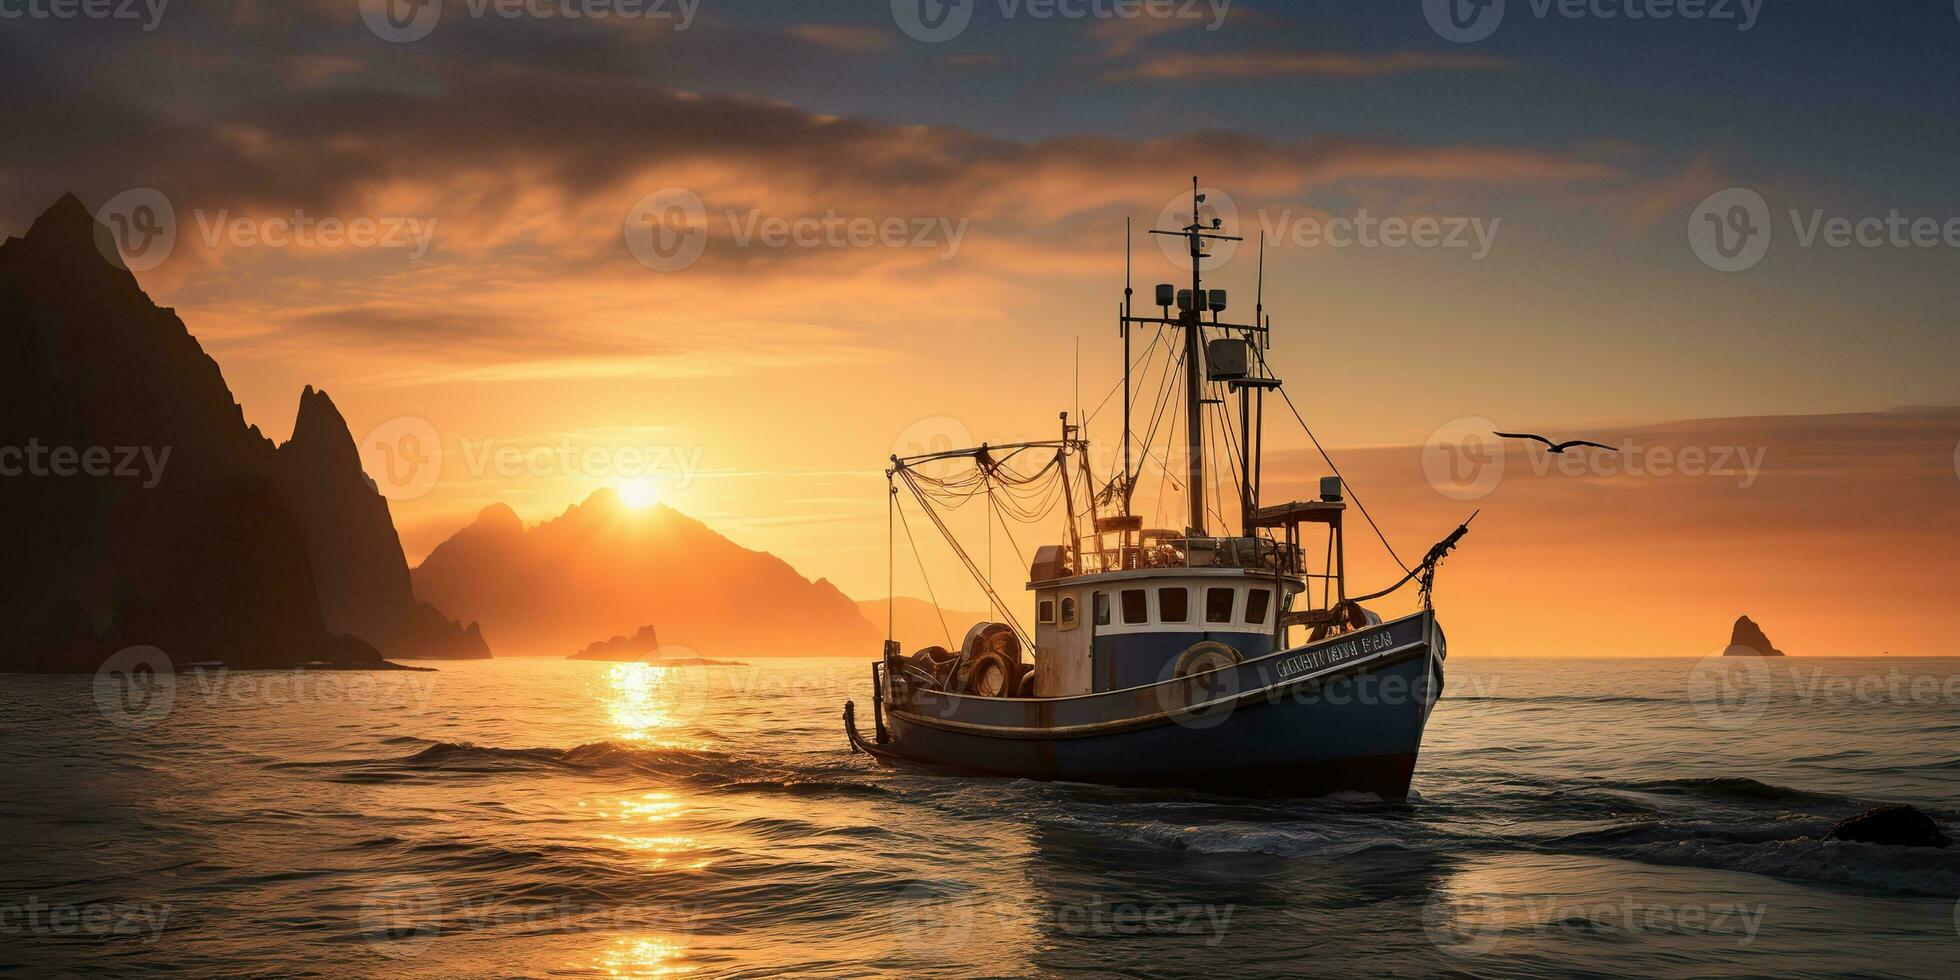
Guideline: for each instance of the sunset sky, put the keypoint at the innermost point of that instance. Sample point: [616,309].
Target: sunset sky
[766,382]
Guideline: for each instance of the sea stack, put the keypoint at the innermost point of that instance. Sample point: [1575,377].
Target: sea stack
[1748,640]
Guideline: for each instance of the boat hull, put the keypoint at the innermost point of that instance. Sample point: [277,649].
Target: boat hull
[1344,715]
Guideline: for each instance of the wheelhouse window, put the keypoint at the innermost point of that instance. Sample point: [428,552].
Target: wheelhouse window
[1256,604]
[1218,605]
[1044,611]
[1102,608]
[1174,605]
[1069,612]
[1136,607]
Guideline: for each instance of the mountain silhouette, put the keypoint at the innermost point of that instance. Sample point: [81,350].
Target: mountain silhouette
[603,568]
[139,506]
[352,547]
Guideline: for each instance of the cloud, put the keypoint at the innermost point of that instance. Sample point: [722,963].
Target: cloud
[847,38]
[1320,64]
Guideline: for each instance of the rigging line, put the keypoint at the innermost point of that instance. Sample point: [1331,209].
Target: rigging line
[1148,352]
[1227,437]
[1363,508]
[967,560]
[923,577]
[1150,437]
[1016,545]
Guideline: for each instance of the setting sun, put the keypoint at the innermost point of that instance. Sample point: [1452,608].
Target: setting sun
[639,494]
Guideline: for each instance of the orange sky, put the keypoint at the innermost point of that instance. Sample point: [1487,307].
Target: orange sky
[761,386]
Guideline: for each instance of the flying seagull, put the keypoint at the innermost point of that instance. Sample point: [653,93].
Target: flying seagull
[1559,448]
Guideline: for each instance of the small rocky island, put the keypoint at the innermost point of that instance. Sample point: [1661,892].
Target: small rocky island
[1748,640]
[642,647]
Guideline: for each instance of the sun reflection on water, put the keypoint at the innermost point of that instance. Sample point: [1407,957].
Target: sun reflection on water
[662,850]
[644,958]
[648,700]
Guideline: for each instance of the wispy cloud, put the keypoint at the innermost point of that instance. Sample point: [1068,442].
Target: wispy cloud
[1322,64]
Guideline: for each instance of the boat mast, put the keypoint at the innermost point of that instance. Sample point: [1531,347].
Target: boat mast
[1194,356]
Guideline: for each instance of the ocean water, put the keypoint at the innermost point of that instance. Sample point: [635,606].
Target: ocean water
[556,819]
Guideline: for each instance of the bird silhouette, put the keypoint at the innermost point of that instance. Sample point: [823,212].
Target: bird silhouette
[1558,448]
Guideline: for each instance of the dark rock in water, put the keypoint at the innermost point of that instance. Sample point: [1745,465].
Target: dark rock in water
[1748,640]
[1893,825]
[643,645]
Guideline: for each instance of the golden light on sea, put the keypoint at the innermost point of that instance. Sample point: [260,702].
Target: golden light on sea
[645,699]
[642,958]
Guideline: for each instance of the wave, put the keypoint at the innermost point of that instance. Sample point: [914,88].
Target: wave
[704,768]
[1734,788]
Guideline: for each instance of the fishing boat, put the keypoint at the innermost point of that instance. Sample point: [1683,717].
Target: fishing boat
[1166,657]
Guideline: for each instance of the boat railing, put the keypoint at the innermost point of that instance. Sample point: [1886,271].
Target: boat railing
[1190,552]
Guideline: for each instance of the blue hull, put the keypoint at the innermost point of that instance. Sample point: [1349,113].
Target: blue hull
[1343,715]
